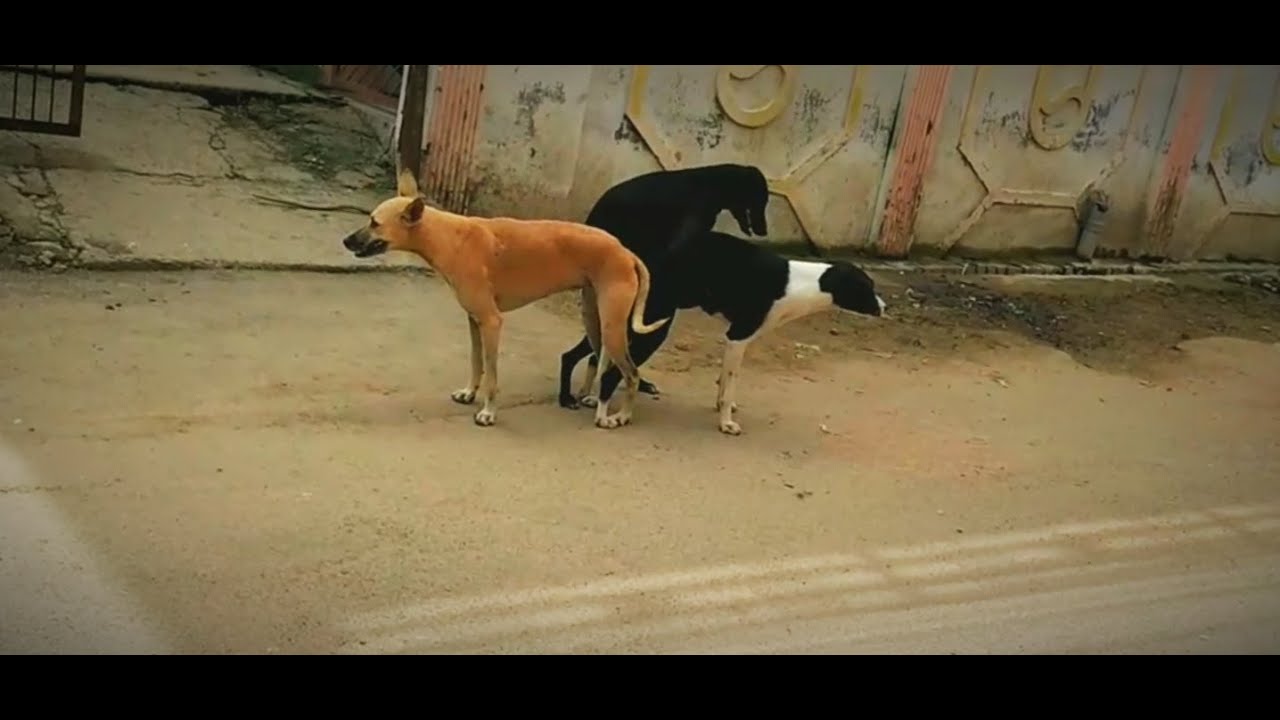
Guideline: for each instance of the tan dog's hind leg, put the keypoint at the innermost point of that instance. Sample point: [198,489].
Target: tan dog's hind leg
[615,312]
[730,369]
[591,324]
[467,395]
[490,333]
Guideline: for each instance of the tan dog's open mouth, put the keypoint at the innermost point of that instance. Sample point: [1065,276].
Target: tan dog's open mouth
[374,247]
[363,246]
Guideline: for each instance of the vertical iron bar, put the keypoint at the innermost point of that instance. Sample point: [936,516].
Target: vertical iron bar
[53,89]
[77,98]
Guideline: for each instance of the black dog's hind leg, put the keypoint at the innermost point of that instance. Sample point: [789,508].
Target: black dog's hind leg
[568,361]
[645,386]
[642,348]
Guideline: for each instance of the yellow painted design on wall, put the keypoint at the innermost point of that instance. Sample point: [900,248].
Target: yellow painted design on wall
[761,115]
[1076,99]
[1271,130]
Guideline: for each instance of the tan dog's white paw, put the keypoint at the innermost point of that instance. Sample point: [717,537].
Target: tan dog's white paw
[733,406]
[589,401]
[610,422]
[485,418]
[730,427]
[465,396]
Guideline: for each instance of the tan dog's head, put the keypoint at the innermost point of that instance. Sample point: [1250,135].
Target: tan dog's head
[391,223]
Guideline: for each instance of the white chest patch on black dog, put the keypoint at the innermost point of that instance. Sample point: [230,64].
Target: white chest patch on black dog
[803,295]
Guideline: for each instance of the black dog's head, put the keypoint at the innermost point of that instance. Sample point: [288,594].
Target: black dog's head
[851,289]
[744,192]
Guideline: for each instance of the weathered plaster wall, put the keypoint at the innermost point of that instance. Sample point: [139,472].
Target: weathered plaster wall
[529,134]
[1016,152]
[1232,205]
[995,187]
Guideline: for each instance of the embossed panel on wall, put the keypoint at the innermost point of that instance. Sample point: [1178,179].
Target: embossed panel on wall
[1235,195]
[819,133]
[1035,140]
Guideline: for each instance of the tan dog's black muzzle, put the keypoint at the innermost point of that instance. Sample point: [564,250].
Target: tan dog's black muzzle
[364,245]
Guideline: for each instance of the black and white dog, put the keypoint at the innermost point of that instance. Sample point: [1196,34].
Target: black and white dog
[652,213]
[757,291]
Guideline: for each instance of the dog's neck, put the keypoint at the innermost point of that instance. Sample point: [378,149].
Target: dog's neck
[431,240]
[804,293]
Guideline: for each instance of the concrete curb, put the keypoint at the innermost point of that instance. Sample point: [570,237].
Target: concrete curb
[160,265]
[1096,269]
[937,268]
[217,95]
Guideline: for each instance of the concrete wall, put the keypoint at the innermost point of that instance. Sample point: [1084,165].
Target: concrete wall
[959,160]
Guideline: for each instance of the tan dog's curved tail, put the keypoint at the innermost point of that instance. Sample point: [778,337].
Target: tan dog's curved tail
[642,296]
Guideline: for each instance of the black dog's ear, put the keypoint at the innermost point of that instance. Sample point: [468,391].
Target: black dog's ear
[758,223]
[413,213]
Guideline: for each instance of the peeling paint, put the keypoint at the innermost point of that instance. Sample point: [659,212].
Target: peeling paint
[710,130]
[1245,154]
[627,131]
[869,128]
[809,110]
[1095,131]
[529,99]
[1144,135]
[1093,127]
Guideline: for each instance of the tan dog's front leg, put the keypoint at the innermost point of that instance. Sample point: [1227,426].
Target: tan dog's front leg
[467,395]
[490,331]
[730,368]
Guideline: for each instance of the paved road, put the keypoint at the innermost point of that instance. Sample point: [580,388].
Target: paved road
[1079,588]
[269,463]
[56,597]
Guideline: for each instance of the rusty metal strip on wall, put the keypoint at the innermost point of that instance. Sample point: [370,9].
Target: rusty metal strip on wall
[1187,134]
[451,136]
[915,155]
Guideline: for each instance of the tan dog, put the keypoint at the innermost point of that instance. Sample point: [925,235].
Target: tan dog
[496,265]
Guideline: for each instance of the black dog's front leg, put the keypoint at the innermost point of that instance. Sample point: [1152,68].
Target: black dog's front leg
[568,361]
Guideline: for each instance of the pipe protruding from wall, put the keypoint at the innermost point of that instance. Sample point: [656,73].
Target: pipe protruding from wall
[1092,225]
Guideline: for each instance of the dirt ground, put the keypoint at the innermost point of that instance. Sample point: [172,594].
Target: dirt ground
[270,462]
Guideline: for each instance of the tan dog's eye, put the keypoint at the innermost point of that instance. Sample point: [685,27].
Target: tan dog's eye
[373,224]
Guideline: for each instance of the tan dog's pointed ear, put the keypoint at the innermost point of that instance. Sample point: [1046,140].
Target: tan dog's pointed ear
[406,185]
[413,213]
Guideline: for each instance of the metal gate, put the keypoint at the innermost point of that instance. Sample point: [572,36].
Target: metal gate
[47,99]
[373,84]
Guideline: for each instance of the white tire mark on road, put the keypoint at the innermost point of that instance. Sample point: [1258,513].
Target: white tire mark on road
[54,599]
